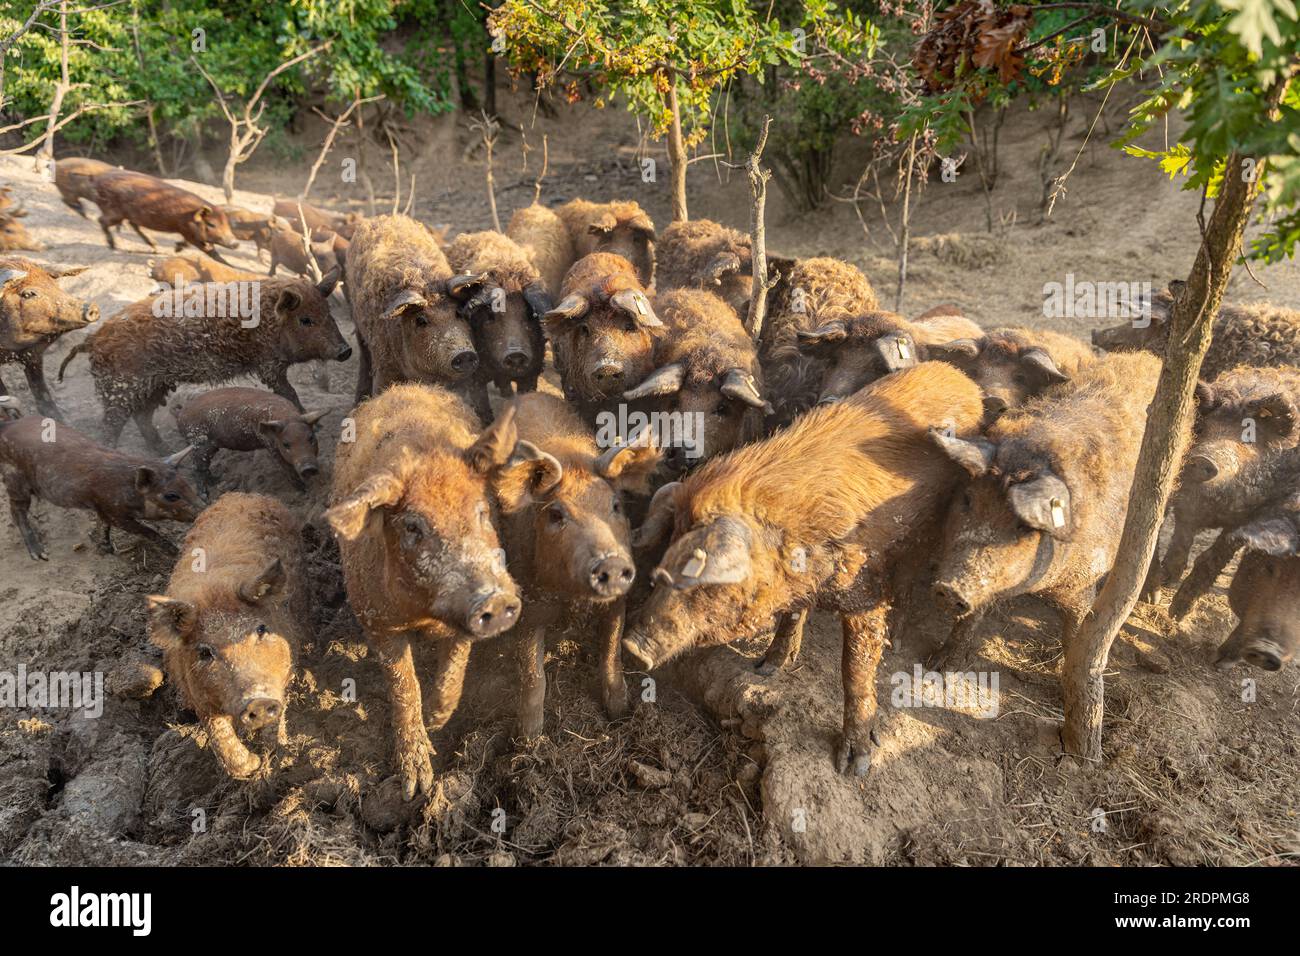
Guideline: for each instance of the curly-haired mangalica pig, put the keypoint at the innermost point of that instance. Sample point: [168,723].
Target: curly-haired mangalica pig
[419,546]
[232,621]
[34,312]
[40,458]
[406,301]
[1012,365]
[506,312]
[289,250]
[708,369]
[345,224]
[622,228]
[858,349]
[545,240]
[821,514]
[702,254]
[177,271]
[567,540]
[147,201]
[74,178]
[1247,426]
[1049,489]
[1265,591]
[246,419]
[816,292]
[1260,334]
[603,331]
[208,334]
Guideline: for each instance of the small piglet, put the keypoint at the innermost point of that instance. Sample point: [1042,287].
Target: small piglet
[246,419]
[41,458]
[231,622]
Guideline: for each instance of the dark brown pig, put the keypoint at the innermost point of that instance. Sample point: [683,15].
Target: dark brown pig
[74,178]
[1247,424]
[621,228]
[287,250]
[602,332]
[419,548]
[405,301]
[149,348]
[506,312]
[43,459]
[1045,506]
[247,419]
[821,514]
[249,226]
[146,201]
[232,621]
[707,367]
[345,224]
[34,312]
[1015,364]
[567,540]
[702,254]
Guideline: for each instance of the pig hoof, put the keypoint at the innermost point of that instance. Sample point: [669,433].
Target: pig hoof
[245,768]
[854,758]
[415,768]
[38,554]
[768,667]
[616,705]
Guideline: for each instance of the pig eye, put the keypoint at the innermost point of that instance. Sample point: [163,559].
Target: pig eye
[171,496]
[412,527]
[618,507]
[206,654]
[584,329]
[421,320]
[261,630]
[555,514]
[305,320]
[722,409]
[28,293]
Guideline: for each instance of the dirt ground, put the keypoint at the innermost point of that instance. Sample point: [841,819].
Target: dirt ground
[716,765]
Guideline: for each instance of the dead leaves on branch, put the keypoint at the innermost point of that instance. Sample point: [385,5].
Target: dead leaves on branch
[974,34]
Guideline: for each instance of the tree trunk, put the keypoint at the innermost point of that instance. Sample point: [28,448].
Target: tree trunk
[677,153]
[45,154]
[1163,445]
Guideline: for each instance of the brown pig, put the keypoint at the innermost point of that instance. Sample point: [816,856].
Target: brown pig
[74,178]
[179,270]
[13,234]
[419,548]
[702,254]
[603,331]
[345,224]
[287,250]
[246,419]
[707,367]
[232,621]
[1045,506]
[621,228]
[820,514]
[43,459]
[146,201]
[406,303]
[567,540]
[151,347]
[34,312]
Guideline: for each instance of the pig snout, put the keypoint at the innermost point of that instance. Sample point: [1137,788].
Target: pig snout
[493,612]
[89,313]
[611,576]
[344,353]
[464,361]
[995,405]
[1210,466]
[516,360]
[952,595]
[308,469]
[608,374]
[1265,654]
[650,650]
[259,712]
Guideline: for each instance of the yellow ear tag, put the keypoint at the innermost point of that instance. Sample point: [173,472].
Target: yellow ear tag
[695,566]
[640,305]
[902,349]
[1058,513]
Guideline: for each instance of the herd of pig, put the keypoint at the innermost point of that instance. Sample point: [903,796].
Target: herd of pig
[848,455]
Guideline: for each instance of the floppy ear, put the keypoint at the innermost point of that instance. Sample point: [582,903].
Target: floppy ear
[975,454]
[287,301]
[956,349]
[11,275]
[270,581]
[270,428]
[606,223]
[740,386]
[662,381]
[1043,503]
[461,287]
[642,226]
[815,340]
[528,471]
[58,273]
[635,304]
[494,445]
[659,518]
[537,299]
[1206,397]
[573,307]
[1274,536]
[1038,360]
[895,351]
[722,558]
[171,622]
[145,478]
[630,466]
[311,418]
[721,265]
[1275,409]
[406,300]
[349,516]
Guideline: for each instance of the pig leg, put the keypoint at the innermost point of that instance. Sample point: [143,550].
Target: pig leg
[1209,565]
[613,690]
[412,751]
[958,642]
[148,431]
[107,224]
[478,400]
[864,642]
[148,533]
[103,536]
[448,681]
[20,501]
[785,645]
[115,417]
[139,232]
[1170,570]
[203,453]
[363,370]
[531,657]
[277,380]
[233,756]
[35,374]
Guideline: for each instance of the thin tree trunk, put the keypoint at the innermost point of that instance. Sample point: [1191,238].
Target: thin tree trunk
[758,177]
[1163,445]
[46,153]
[904,233]
[677,153]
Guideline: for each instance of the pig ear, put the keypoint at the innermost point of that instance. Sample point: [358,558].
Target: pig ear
[461,287]
[630,465]
[635,304]
[270,581]
[1275,536]
[537,299]
[288,300]
[1041,362]
[493,447]
[662,381]
[537,471]
[956,349]
[828,334]
[11,275]
[404,300]
[896,351]
[722,558]
[329,280]
[606,223]
[1044,504]
[270,427]
[740,385]
[642,225]
[173,460]
[349,516]
[974,454]
[1206,398]
[311,418]
[573,307]
[171,622]
[145,478]
[723,264]
[659,517]
[1276,409]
